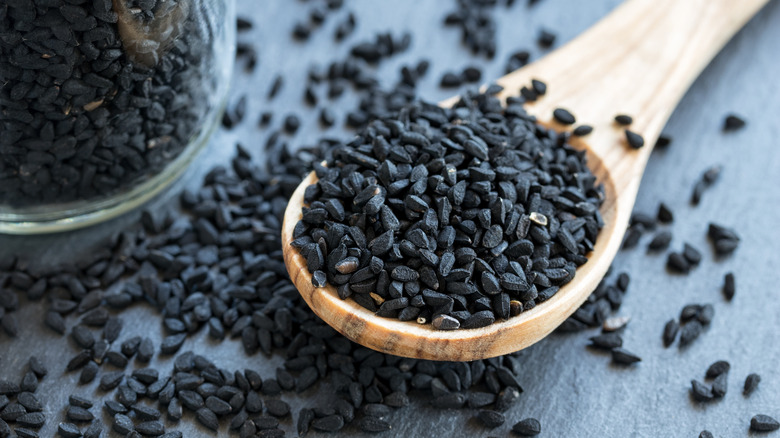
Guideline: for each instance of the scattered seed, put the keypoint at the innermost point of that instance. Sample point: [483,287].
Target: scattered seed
[527,427]
[733,122]
[718,368]
[751,384]
[634,140]
[690,332]
[624,357]
[764,423]
[700,391]
[564,116]
[665,214]
[607,341]
[729,286]
[546,39]
[491,419]
[582,130]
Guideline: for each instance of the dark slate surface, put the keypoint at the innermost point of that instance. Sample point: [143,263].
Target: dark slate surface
[574,392]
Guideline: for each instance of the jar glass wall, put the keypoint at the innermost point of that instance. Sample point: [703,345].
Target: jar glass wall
[103,103]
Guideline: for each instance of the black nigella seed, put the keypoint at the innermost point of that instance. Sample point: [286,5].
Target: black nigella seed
[545,39]
[276,85]
[624,357]
[122,424]
[764,423]
[243,24]
[661,240]
[689,311]
[705,314]
[607,341]
[725,240]
[733,122]
[582,130]
[623,119]
[700,391]
[631,239]
[37,366]
[319,279]
[471,74]
[706,434]
[690,332]
[75,413]
[670,332]
[691,254]
[310,96]
[676,262]
[665,214]
[68,430]
[32,419]
[22,432]
[150,428]
[450,80]
[207,418]
[491,419]
[29,401]
[88,373]
[634,140]
[720,385]
[265,118]
[564,116]
[751,384]
[663,141]
[729,286]
[331,423]
[291,123]
[718,368]
[75,400]
[327,117]
[171,344]
[527,427]
[95,430]
[539,87]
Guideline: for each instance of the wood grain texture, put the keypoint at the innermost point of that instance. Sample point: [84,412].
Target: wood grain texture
[639,60]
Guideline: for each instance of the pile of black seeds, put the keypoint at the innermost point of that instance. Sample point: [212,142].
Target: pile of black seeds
[220,266]
[88,107]
[457,217]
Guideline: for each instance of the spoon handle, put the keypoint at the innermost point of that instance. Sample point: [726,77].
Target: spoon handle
[639,60]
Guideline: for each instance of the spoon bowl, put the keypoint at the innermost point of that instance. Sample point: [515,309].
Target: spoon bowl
[410,339]
[639,60]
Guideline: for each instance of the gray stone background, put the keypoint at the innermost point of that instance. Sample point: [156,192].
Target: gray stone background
[574,391]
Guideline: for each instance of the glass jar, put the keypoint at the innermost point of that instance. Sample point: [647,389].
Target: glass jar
[103,103]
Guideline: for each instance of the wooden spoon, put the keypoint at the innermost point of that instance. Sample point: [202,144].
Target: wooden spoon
[639,60]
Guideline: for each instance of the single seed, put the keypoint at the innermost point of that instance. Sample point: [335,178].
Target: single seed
[634,140]
[624,357]
[700,391]
[729,286]
[527,427]
[623,119]
[764,423]
[564,116]
[733,122]
[582,130]
[751,384]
